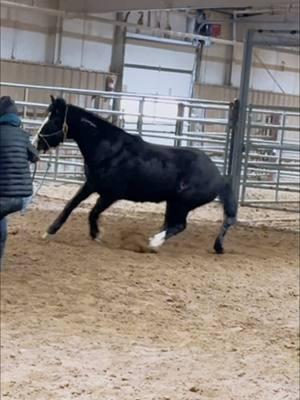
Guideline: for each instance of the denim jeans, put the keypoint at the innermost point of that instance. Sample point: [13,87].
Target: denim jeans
[8,205]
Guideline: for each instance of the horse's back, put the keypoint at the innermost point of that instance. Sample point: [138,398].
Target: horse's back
[187,174]
[190,162]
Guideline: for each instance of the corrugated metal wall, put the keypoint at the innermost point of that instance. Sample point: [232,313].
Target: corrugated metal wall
[48,75]
[225,93]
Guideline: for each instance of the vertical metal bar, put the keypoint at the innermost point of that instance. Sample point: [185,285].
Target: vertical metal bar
[230,51]
[58,40]
[234,120]
[179,124]
[117,61]
[283,123]
[227,140]
[56,163]
[97,102]
[195,79]
[83,43]
[198,62]
[246,157]
[191,125]
[140,117]
[238,139]
[25,100]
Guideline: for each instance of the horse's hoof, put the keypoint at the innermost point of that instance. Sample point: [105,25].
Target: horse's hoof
[47,236]
[218,247]
[97,237]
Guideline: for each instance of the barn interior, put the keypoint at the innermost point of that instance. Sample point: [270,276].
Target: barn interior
[112,320]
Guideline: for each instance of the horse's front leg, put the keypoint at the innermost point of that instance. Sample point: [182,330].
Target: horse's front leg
[84,192]
[102,204]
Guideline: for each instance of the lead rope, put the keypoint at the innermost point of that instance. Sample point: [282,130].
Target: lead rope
[65,130]
[37,189]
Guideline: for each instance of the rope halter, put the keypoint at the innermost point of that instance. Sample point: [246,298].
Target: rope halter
[64,129]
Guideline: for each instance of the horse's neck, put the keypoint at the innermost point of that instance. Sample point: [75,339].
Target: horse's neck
[83,137]
[89,133]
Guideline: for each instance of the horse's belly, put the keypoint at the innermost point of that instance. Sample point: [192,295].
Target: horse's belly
[145,194]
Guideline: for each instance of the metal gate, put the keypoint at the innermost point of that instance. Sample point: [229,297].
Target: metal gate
[270,175]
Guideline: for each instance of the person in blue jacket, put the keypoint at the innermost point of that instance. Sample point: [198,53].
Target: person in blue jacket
[16,151]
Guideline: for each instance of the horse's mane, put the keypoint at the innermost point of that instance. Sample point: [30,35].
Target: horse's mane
[96,119]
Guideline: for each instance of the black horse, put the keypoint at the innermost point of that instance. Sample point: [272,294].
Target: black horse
[123,166]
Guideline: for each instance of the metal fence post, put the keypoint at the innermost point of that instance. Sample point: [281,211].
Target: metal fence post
[140,117]
[238,139]
[179,123]
[227,140]
[233,120]
[56,163]
[283,123]
[247,155]
[26,90]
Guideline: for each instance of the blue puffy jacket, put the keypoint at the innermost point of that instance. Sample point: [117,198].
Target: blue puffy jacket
[15,153]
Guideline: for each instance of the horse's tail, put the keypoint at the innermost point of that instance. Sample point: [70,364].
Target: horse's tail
[230,205]
[227,198]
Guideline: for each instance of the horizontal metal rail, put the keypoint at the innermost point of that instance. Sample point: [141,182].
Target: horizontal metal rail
[110,94]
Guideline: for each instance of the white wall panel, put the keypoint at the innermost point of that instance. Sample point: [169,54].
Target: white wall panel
[236,75]
[96,56]
[261,79]
[212,73]
[148,55]
[7,37]
[73,25]
[30,46]
[71,52]
[100,30]
[289,83]
[156,82]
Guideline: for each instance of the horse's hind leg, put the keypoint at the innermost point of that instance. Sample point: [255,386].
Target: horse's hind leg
[228,222]
[101,205]
[175,222]
[84,192]
[230,212]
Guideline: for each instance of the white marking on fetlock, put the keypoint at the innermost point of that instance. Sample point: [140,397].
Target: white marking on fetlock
[99,236]
[47,236]
[157,240]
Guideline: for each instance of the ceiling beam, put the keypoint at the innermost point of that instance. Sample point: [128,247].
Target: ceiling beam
[275,22]
[97,6]
[276,38]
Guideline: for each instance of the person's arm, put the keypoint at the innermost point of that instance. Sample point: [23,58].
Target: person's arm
[33,154]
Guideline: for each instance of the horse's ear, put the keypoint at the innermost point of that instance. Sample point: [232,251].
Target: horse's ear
[52,98]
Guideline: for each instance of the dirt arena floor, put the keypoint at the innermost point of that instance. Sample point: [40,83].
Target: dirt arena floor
[110,321]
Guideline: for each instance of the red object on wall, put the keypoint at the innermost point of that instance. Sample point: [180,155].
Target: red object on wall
[215,30]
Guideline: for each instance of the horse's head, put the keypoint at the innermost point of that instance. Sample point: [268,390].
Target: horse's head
[55,128]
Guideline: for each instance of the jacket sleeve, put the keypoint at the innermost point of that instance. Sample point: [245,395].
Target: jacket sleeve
[33,154]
